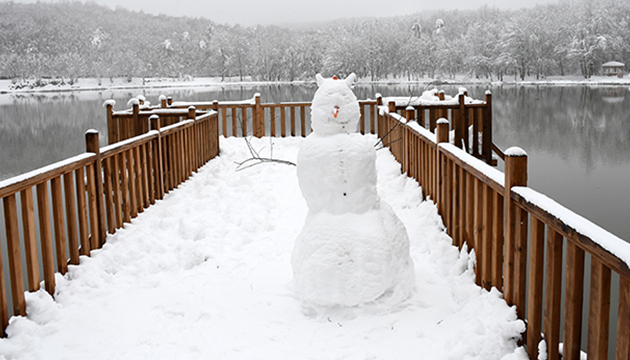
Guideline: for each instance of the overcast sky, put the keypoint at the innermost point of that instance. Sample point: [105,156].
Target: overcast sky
[265,12]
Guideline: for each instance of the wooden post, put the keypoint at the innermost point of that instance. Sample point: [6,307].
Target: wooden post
[15,259]
[92,145]
[515,251]
[379,122]
[460,127]
[441,95]
[486,145]
[157,158]
[135,122]
[258,118]
[112,128]
[392,107]
[169,101]
[163,104]
[441,137]
[410,113]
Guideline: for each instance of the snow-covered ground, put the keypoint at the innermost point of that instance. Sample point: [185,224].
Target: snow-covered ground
[95,84]
[206,274]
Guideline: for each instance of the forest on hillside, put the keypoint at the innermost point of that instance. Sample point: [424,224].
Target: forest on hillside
[73,40]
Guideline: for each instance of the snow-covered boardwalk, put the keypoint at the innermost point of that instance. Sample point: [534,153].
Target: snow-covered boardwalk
[206,274]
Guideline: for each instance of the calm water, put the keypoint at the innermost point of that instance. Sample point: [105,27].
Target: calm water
[577,138]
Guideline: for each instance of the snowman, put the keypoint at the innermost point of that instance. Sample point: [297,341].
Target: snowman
[353,249]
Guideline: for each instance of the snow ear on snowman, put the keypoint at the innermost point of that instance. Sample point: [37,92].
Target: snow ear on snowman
[349,80]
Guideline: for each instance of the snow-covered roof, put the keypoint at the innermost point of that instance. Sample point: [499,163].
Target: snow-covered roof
[613,64]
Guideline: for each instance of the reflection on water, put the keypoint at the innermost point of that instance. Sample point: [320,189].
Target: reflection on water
[577,138]
[578,142]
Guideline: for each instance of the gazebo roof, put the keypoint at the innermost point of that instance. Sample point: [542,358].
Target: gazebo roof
[613,64]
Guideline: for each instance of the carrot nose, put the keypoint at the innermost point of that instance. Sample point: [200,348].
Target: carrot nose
[336,111]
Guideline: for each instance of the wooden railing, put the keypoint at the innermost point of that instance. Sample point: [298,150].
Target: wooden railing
[470,120]
[237,118]
[90,195]
[511,227]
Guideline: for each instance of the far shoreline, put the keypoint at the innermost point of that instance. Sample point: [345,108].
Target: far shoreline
[8,87]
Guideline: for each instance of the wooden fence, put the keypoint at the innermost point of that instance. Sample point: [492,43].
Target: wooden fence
[90,195]
[519,234]
[472,121]
[237,118]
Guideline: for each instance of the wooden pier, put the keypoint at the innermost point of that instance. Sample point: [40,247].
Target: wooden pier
[518,235]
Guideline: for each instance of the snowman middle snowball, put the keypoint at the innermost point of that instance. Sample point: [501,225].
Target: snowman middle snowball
[353,249]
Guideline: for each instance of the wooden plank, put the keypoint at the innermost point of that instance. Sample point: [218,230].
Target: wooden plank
[520,261]
[138,178]
[124,182]
[224,121]
[272,115]
[116,191]
[244,121]
[48,262]
[497,240]
[82,211]
[292,120]
[553,293]
[234,122]
[30,239]
[470,210]
[457,205]
[623,325]
[535,293]
[486,237]
[92,207]
[574,293]
[362,119]
[60,234]
[303,120]
[133,207]
[144,169]
[13,253]
[373,119]
[4,312]
[477,235]
[151,172]
[448,191]
[109,196]
[599,311]
[283,125]
[462,206]
[71,218]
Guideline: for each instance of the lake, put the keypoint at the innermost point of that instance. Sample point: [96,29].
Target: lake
[577,137]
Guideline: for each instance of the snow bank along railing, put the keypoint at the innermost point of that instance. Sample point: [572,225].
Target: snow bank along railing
[511,227]
[102,189]
[237,118]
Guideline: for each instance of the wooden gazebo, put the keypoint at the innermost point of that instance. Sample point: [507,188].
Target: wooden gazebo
[613,68]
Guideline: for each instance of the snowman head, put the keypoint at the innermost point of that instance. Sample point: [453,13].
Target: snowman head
[335,109]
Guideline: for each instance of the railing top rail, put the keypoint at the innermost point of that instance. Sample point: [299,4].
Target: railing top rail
[289,104]
[484,172]
[118,147]
[31,178]
[186,104]
[169,129]
[610,249]
[404,101]
[158,111]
